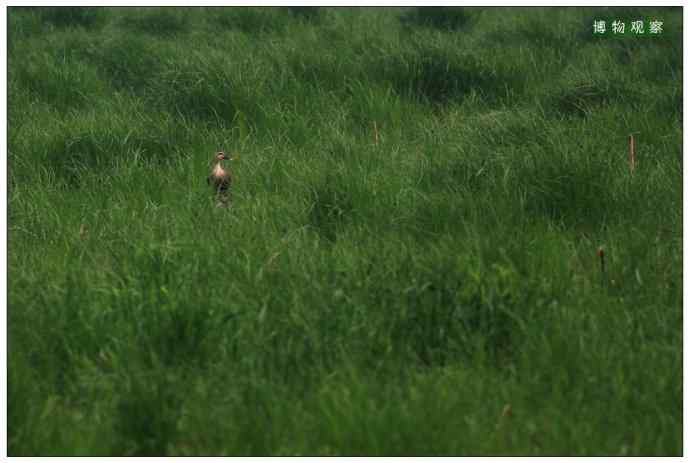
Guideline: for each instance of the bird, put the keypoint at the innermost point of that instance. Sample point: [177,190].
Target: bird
[220,179]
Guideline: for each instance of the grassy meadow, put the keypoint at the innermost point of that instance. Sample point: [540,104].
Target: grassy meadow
[409,266]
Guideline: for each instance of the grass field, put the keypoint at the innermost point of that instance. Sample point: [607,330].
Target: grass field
[410,263]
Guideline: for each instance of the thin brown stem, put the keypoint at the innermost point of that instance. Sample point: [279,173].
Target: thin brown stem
[632,153]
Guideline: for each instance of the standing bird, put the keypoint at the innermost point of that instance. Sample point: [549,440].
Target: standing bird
[220,179]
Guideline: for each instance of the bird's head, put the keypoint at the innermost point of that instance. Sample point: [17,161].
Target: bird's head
[221,156]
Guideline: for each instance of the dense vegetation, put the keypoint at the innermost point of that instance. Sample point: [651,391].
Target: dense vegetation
[410,263]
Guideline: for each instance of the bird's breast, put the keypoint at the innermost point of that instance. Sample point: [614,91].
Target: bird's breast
[219,174]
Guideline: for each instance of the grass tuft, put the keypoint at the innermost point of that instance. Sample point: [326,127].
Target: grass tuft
[71,16]
[441,17]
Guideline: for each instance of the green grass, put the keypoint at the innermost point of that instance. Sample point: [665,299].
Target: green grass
[358,298]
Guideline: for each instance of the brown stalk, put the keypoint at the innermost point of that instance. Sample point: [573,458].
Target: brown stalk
[600,253]
[632,153]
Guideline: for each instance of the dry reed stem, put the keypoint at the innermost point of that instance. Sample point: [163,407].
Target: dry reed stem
[632,154]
